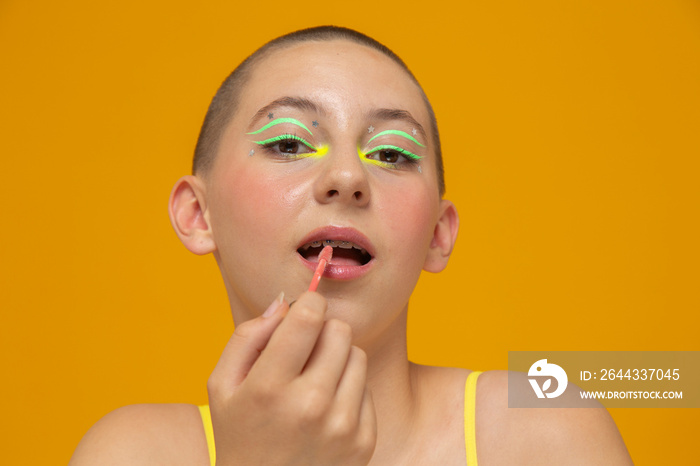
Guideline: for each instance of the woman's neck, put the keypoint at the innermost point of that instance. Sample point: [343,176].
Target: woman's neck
[394,384]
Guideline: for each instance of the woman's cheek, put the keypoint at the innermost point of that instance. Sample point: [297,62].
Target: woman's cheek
[239,198]
[258,201]
[411,215]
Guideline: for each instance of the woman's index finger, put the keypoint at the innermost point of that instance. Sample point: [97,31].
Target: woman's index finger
[291,345]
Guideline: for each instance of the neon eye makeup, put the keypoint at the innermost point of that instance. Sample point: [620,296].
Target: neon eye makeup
[279,121]
[400,150]
[397,133]
[389,156]
[286,138]
[288,146]
[292,147]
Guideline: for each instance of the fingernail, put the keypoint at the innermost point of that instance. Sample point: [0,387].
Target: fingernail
[276,304]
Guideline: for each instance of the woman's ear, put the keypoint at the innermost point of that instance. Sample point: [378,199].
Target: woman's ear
[188,215]
[444,238]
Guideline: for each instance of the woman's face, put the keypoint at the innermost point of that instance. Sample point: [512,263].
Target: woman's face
[330,141]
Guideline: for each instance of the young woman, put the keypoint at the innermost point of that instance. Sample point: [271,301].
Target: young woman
[324,137]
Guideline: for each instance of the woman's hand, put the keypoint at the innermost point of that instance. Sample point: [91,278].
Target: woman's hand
[290,389]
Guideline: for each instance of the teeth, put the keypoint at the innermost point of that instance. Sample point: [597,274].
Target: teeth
[333,243]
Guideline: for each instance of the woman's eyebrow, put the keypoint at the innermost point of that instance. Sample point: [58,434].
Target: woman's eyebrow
[300,103]
[388,114]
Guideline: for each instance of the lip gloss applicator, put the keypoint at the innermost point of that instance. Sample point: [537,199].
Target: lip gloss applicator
[323,259]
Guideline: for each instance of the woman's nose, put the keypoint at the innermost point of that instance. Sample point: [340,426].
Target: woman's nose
[343,179]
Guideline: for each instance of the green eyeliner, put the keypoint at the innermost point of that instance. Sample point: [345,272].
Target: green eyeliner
[286,137]
[279,121]
[400,150]
[398,133]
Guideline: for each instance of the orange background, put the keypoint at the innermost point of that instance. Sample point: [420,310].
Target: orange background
[570,131]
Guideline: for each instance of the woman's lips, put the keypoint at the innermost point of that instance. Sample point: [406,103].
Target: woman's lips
[339,271]
[341,267]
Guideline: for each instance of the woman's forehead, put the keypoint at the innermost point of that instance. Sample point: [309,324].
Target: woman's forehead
[334,77]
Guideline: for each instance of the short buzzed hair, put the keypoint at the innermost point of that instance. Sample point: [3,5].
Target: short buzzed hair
[223,105]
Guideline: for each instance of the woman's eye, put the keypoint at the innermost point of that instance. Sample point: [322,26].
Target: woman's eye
[287,145]
[389,156]
[392,156]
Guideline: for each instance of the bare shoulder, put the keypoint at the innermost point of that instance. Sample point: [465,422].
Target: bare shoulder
[145,434]
[562,436]
[438,426]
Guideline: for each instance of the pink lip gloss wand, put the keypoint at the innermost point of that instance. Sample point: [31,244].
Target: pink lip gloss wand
[323,259]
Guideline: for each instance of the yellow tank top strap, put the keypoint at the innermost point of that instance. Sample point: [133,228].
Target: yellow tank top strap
[470,417]
[208,432]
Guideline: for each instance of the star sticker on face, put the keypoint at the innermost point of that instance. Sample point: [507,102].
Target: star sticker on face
[419,170]
[314,124]
[415,131]
[251,152]
[270,115]
[370,129]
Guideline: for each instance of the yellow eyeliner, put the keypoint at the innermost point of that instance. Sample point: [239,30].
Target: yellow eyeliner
[320,152]
[364,159]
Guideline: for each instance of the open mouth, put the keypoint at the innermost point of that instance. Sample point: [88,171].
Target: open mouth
[345,253]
